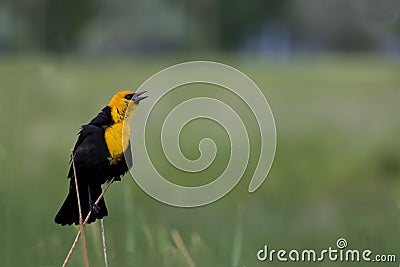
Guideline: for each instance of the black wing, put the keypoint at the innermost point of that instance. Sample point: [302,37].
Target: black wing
[90,154]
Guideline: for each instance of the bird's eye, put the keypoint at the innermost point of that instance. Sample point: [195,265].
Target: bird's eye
[128,96]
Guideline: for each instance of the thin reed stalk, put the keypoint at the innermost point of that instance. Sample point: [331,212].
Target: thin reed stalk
[84,223]
[103,238]
[83,238]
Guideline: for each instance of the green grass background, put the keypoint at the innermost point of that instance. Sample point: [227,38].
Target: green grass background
[335,175]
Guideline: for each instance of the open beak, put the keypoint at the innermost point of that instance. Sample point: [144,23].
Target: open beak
[137,97]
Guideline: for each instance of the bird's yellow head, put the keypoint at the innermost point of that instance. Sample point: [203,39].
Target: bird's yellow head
[123,104]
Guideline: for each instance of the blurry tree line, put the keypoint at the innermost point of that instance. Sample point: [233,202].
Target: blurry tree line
[151,26]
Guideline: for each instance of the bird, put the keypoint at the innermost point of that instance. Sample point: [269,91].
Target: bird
[102,152]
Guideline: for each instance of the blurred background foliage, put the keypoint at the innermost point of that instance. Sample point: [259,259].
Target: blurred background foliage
[329,69]
[147,27]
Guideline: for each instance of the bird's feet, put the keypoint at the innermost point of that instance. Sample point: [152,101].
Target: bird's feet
[95,209]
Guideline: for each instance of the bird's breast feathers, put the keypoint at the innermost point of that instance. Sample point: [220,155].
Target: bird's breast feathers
[117,140]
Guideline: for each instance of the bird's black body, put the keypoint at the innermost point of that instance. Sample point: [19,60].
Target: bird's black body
[93,168]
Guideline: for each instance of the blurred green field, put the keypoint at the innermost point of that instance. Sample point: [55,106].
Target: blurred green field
[335,175]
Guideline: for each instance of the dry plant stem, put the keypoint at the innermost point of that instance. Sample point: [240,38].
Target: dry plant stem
[83,238]
[180,245]
[103,238]
[84,223]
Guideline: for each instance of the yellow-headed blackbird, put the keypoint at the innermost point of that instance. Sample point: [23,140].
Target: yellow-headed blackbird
[98,157]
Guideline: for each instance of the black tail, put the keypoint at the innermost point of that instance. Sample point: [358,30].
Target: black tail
[69,213]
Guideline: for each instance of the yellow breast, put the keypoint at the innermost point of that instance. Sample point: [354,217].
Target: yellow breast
[117,140]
